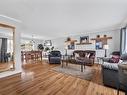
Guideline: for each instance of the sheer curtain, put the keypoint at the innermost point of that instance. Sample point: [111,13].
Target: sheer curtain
[0,43]
[123,42]
[126,42]
[0,48]
[10,46]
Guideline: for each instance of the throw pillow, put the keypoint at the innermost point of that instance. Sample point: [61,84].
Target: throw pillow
[76,55]
[115,59]
[87,55]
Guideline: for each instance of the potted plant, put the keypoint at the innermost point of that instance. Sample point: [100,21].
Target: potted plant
[40,47]
[52,48]
[47,49]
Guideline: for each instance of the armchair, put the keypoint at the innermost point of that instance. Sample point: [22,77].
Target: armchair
[54,57]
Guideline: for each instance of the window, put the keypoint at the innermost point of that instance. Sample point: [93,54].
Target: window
[126,42]
[123,41]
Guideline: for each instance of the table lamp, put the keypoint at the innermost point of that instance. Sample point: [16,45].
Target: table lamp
[66,47]
[106,47]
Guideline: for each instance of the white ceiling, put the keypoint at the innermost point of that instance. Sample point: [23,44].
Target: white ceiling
[58,18]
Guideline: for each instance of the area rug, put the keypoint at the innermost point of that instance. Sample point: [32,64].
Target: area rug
[75,70]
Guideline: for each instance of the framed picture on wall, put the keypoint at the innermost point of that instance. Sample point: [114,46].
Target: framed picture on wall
[84,39]
[47,43]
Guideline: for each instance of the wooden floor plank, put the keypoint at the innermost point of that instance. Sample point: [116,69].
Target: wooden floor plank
[95,89]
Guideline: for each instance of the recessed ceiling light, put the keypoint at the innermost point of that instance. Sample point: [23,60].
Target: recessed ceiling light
[13,19]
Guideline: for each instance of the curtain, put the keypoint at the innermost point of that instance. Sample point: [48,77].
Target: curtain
[0,49]
[123,40]
[0,43]
[126,42]
[3,49]
[9,46]
[4,45]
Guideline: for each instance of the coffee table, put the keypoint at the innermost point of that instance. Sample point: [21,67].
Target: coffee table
[82,62]
[66,59]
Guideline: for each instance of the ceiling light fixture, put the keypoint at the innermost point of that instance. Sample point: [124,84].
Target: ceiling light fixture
[13,19]
[32,41]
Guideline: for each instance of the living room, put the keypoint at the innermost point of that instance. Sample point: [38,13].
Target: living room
[63,47]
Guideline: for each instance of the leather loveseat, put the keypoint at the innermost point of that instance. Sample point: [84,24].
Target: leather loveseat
[87,55]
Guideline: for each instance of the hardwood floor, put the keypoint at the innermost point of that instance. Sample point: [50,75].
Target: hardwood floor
[6,66]
[39,79]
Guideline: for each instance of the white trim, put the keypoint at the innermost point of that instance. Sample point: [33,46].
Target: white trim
[9,73]
[13,19]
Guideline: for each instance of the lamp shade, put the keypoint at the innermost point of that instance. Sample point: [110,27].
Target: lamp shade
[106,46]
[65,45]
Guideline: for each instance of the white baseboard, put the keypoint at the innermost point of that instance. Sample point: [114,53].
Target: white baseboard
[9,73]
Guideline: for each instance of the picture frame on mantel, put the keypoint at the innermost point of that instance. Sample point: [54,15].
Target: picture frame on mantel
[71,46]
[99,45]
[101,41]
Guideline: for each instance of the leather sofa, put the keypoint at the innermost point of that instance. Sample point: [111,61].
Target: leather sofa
[110,75]
[110,72]
[87,55]
[54,57]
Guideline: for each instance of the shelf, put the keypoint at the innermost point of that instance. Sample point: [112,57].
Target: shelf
[102,38]
[83,43]
[71,41]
